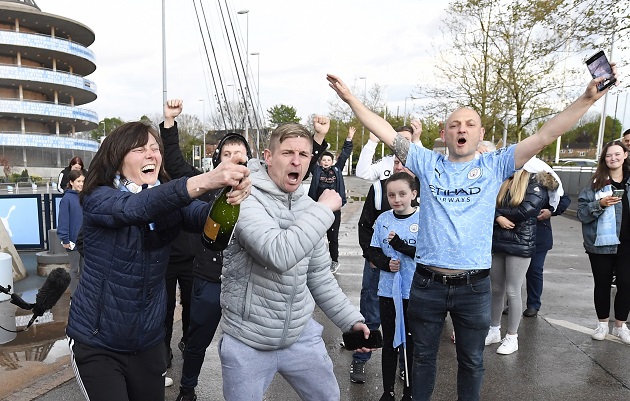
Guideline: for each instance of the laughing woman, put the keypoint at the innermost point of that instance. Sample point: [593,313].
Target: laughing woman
[131,214]
[603,211]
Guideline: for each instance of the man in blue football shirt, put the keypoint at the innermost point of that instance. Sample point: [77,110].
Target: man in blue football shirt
[453,253]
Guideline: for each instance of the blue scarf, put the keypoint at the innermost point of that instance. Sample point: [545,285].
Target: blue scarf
[127,185]
[606,223]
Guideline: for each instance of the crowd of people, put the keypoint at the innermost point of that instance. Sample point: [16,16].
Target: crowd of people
[452,234]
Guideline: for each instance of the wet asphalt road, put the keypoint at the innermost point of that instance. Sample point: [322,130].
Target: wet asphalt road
[556,360]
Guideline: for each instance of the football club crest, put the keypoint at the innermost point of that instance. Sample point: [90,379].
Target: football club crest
[474,173]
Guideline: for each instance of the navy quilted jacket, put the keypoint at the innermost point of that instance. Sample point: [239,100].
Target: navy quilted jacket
[120,304]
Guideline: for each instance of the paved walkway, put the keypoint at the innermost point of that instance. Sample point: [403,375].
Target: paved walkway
[557,359]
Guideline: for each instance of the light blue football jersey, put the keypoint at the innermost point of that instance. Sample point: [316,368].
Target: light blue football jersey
[407,230]
[457,202]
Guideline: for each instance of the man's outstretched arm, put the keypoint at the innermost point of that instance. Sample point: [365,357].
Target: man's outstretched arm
[562,122]
[373,122]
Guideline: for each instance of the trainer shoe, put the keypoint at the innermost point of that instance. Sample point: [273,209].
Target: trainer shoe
[387,396]
[186,394]
[530,312]
[508,345]
[168,382]
[181,346]
[401,374]
[600,331]
[493,337]
[334,266]
[623,333]
[357,372]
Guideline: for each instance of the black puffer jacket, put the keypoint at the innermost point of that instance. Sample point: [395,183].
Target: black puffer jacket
[521,240]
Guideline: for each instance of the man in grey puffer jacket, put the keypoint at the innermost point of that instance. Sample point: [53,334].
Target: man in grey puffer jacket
[275,270]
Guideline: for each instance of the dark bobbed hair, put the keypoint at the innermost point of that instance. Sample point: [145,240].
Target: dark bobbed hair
[403,176]
[76,160]
[72,176]
[601,176]
[108,160]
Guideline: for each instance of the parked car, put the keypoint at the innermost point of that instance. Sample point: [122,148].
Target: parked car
[578,162]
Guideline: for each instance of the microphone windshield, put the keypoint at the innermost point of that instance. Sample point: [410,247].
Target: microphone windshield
[55,285]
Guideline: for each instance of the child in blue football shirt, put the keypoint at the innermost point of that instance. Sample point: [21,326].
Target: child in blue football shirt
[393,250]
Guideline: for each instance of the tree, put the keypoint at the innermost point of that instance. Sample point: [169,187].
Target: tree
[282,113]
[507,58]
[105,126]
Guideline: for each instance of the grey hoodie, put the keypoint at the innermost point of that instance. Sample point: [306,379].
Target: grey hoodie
[277,268]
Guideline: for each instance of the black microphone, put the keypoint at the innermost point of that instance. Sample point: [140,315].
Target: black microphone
[55,285]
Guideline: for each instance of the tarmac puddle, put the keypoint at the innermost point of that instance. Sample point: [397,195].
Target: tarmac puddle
[43,343]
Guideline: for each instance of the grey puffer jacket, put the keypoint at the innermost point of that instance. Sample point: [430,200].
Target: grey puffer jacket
[277,268]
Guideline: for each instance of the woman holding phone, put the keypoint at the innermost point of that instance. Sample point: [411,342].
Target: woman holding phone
[604,212]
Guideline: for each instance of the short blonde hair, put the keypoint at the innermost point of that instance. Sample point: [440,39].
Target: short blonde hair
[286,131]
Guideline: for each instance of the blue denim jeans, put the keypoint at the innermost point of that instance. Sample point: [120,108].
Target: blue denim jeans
[469,307]
[369,304]
[534,278]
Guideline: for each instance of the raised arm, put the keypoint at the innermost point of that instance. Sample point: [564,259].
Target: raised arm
[174,161]
[373,122]
[561,123]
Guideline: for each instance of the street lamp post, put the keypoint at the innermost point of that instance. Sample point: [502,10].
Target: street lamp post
[364,102]
[257,54]
[405,112]
[203,131]
[246,12]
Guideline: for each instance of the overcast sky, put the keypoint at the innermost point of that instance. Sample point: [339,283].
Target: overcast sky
[388,42]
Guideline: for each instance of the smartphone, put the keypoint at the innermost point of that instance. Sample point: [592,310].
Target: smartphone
[618,193]
[599,66]
[355,339]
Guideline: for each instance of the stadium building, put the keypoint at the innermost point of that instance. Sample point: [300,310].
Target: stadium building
[44,61]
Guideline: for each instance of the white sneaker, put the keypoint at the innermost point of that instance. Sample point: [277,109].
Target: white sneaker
[623,333]
[508,345]
[600,332]
[168,382]
[493,337]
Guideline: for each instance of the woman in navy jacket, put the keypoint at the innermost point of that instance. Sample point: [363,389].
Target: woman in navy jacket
[131,214]
[69,224]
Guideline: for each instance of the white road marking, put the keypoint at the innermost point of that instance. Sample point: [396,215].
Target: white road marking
[581,329]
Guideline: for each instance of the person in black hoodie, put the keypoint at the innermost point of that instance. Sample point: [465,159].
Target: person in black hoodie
[204,313]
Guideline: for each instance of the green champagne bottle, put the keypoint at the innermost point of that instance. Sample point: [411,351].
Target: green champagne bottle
[220,223]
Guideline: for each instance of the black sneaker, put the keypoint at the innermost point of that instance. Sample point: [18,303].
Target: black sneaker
[530,312]
[388,396]
[401,374]
[181,346]
[186,394]
[169,356]
[357,372]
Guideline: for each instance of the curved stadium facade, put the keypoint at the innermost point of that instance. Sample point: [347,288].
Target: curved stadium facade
[44,59]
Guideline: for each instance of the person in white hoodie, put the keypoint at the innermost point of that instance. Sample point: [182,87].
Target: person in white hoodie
[384,167]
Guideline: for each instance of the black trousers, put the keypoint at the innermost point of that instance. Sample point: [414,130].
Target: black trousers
[182,273]
[104,375]
[389,360]
[333,237]
[603,267]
